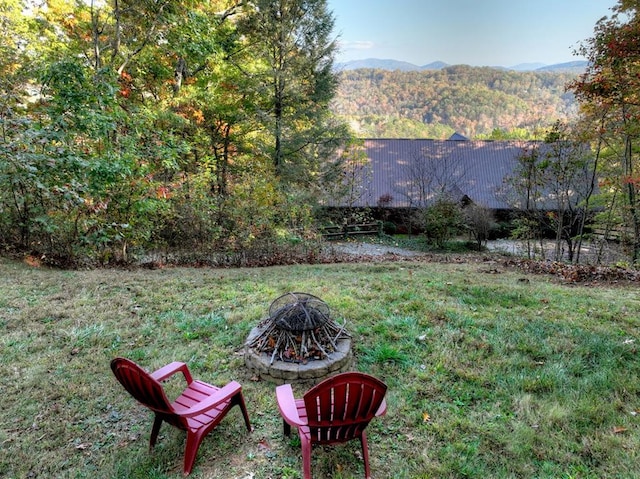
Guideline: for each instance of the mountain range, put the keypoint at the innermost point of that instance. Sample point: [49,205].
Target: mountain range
[392,65]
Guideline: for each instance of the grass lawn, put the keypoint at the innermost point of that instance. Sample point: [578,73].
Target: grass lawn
[491,374]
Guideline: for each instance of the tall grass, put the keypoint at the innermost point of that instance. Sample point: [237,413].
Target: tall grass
[489,376]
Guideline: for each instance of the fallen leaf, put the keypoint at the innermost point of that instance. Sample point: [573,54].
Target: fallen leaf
[33,261]
[619,430]
[426,417]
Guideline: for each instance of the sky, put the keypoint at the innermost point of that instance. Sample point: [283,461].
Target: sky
[473,32]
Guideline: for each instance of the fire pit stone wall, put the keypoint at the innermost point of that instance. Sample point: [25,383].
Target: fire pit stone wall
[281,372]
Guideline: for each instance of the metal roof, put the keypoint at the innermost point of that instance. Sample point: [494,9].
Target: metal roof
[408,172]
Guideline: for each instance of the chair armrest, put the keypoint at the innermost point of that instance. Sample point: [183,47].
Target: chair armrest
[382,410]
[221,395]
[287,406]
[170,369]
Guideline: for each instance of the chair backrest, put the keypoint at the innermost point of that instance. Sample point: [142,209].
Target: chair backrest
[339,408]
[141,385]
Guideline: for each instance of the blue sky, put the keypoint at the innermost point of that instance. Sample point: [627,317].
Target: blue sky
[473,32]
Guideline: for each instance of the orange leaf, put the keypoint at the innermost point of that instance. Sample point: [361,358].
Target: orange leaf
[264,446]
[426,417]
[619,430]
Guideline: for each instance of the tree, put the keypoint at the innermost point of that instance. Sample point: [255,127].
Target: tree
[291,42]
[432,176]
[143,123]
[16,60]
[442,220]
[350,173]
[344,184]
[551,188]
[568,172]
[479,220]
[609,90]
[102,143]
[523,190]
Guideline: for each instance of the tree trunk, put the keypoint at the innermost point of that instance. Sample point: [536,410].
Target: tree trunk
[632,199]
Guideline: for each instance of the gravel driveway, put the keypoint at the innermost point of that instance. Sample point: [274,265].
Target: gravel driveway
[369,249]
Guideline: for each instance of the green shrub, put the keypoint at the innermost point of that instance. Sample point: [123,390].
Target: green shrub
[389,228]
[442,221]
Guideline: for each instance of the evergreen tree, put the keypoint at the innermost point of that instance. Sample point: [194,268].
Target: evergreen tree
[292,43]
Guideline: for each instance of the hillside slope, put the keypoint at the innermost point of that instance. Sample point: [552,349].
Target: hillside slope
[470,100]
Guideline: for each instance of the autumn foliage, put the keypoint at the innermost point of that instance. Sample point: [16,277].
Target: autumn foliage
[132,128]
[609,94]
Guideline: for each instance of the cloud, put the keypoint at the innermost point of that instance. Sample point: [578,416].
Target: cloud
[357,45]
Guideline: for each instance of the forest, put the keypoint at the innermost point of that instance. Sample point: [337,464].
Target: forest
[186,127]
[473,101]
[132,126]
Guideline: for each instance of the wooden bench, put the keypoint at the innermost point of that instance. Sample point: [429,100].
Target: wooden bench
[344,231]
[614,234]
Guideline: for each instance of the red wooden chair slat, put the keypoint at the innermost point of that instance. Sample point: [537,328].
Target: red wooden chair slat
[336,410]
[197,410]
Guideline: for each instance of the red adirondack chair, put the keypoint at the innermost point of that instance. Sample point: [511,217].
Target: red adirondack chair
[197,410]
[336,410]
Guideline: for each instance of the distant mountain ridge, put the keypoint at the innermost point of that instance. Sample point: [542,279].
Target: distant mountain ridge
[392,65]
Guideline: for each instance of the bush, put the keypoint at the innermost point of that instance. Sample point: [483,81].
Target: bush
[479,220]
[389,228]
[443,220]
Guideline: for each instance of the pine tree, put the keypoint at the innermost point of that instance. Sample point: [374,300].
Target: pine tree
[292,43]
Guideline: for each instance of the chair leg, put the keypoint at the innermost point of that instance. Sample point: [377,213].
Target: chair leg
[365,455]
[157,422]
[243,407]
[306,457]
[191,449]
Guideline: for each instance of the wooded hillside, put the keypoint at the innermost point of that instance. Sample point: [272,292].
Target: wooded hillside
[136,126]
[473,101]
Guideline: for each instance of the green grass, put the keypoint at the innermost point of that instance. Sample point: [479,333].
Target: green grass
[519,379]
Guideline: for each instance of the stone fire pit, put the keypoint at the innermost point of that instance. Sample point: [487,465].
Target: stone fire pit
[298,341]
